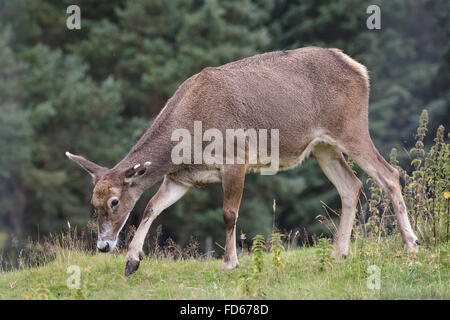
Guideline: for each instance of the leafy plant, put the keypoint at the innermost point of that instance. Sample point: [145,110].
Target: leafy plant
[258,247]
[323,253]
[277,248]
[426,187]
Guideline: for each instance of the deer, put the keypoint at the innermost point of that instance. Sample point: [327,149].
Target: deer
[317,99]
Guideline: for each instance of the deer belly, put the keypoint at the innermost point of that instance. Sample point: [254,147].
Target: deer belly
[197,177]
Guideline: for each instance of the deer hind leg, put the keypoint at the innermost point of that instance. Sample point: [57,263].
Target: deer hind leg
[233,177]
[168,194]
[369,159]
[348,185]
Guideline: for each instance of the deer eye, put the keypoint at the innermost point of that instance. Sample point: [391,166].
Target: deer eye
[114,202]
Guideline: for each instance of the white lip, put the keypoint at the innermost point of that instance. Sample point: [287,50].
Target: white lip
[103,243]
[112,243]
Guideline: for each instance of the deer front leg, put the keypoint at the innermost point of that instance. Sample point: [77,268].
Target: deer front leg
[233,177]
[168,193]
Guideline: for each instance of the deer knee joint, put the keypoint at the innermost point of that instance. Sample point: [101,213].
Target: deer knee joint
[229,217]
[149,211]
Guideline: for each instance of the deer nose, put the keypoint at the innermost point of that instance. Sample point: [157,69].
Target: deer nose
[103,246]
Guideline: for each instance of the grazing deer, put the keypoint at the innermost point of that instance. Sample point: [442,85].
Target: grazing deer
[318,100]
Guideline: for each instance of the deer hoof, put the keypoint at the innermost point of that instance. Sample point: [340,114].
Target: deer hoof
[131,267]
[412,247]
[338,255]
[229,265]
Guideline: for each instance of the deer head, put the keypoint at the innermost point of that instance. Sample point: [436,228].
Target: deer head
[114,196]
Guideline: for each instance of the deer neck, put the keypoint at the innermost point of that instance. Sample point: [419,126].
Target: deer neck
[154,147]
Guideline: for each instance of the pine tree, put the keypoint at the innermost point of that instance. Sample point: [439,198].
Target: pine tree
[14,140]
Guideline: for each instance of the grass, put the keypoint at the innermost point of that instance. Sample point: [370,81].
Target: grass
[303,275]
[274,270]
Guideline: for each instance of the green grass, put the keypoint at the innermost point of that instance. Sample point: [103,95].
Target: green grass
[305,274]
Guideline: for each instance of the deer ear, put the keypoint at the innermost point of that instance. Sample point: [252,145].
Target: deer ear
[93,169]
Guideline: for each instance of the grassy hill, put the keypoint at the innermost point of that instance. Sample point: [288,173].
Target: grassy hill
[307,273]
